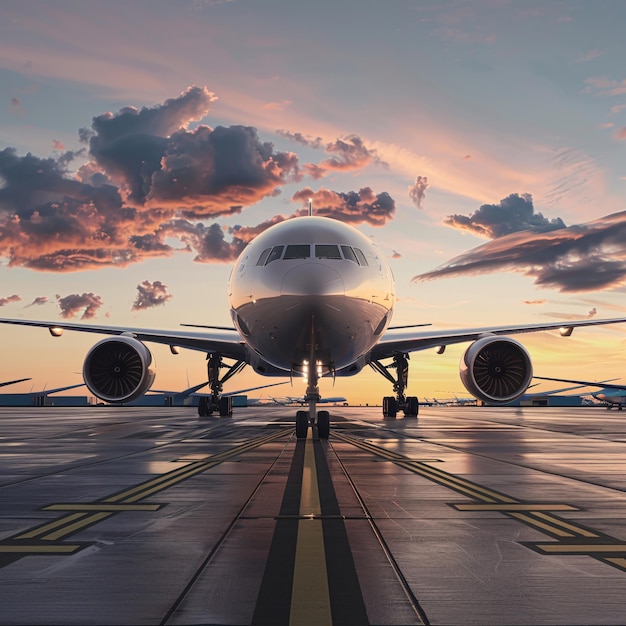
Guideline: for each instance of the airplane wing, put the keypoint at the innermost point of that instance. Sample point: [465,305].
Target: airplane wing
[12,382]
[47,392]
[392,343]
[585,383]
[226,342]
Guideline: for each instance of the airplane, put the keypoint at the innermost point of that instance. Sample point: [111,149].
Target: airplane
[290,400]
[13,382]
[608,393]
[181,398]
[34,397]
[310,296]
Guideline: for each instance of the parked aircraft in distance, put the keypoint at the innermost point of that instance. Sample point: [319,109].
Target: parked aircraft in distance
[613,395]
[297,400]
[186,396]
[13,382]
[311,297]
[38,397]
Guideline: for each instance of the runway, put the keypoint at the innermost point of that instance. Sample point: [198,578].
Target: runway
[464,515]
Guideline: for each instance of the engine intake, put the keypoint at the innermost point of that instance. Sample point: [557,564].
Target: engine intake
[496,369]
[118,369]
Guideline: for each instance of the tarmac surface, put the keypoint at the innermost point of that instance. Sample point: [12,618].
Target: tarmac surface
[465,515]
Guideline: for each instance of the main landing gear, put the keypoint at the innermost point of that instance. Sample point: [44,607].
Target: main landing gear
[391,404]
[216,402]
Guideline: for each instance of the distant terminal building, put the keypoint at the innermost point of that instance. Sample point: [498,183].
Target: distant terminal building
[544,400]
[42,399]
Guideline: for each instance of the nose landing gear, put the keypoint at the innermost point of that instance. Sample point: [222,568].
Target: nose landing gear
[313,396]
[322,422]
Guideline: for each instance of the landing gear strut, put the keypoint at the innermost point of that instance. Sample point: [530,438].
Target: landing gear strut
[391,404]
[217,402]
[312,396]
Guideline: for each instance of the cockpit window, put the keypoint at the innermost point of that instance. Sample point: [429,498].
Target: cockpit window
[327,251]
[264,256]
[361,257]
[277,252]
[298,251]
[348,254]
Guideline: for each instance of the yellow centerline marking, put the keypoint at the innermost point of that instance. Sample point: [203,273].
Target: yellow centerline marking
[89,507]
[65,548]
[50,526]
[548,527]
[534,514]
[89,513]
[310,597]
[76,526]
[505,507]
[580,548]
[563,524]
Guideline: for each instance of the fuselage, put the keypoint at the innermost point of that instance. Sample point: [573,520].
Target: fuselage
[311,290]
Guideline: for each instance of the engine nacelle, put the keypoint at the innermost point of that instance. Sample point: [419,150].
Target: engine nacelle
[496,369]
[118,369]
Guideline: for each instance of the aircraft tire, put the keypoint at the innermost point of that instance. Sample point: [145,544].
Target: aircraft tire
[226,407]
[203,406]
[412,407]
[302,424]
[390,406]
[323,424]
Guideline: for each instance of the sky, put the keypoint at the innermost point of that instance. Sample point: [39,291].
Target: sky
[481,145]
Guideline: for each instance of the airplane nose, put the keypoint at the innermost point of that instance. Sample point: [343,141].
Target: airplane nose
[312,279]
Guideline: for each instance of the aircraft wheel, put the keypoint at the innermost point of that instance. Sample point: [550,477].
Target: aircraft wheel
[412,407]
[323,424]
[390,406]
[226,406]
[203,406]
[302,424]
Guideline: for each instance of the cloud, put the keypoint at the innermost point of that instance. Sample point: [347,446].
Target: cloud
[71,305]
[353,207]
[620,134]
[593,312]
[606,86]
[150,295]
[585,257]
[16,106]
[512,214]
[590,56]
[38,301]
[156,161]
[346,154]
[417,191]
[150,185]
[534,301]
[316,142]
[9,300]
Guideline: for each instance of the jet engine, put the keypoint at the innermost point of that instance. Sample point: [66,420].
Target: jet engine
[496,369]
[118,369]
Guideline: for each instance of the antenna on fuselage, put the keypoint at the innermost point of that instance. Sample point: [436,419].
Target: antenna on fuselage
[310,206]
